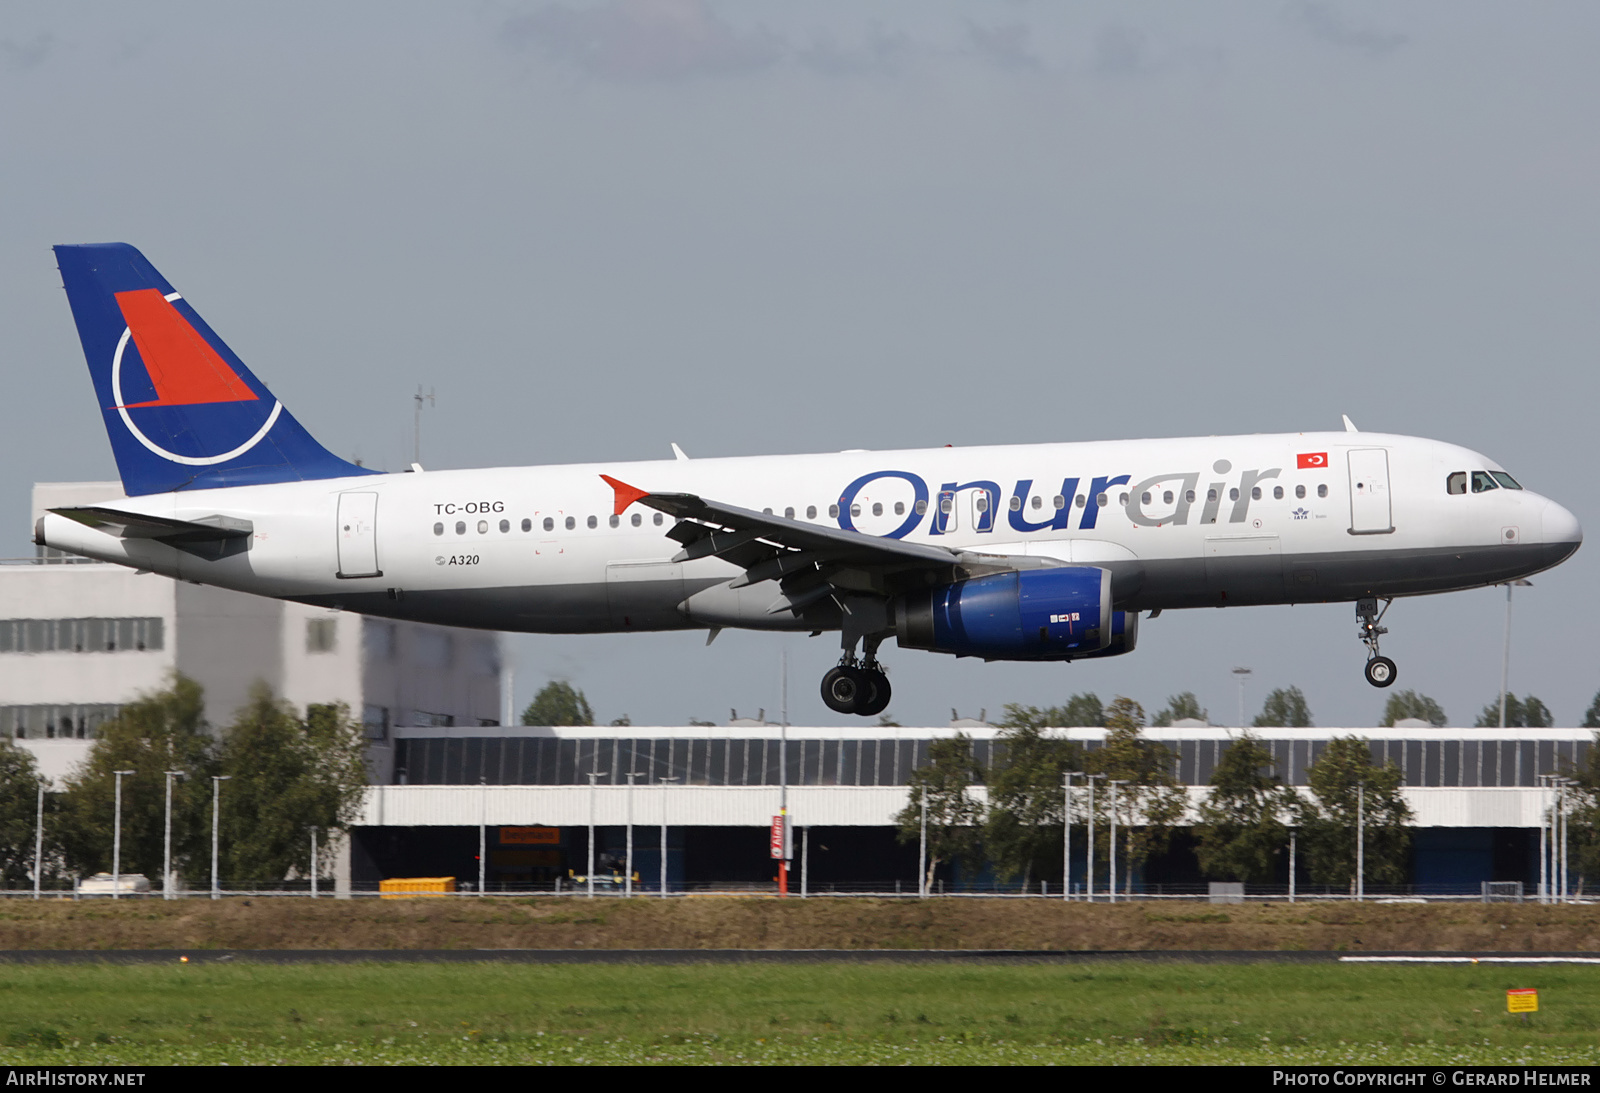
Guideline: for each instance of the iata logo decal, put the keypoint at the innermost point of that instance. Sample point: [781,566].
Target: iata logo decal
[184,370]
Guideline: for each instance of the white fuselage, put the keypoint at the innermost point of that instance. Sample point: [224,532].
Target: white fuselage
[1180,523]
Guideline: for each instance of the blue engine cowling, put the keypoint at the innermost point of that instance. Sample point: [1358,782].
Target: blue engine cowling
[1060,613]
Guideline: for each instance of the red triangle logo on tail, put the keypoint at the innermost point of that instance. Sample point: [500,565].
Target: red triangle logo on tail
[182,366]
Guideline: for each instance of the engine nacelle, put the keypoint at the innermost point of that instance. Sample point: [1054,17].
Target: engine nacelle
[1059,613]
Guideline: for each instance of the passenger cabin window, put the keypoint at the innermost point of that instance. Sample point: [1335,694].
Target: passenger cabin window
[592,522]
[636,520]
[1058,501]
[505,526]
[788,513]
[615,520]
[1015,504]
[572,522]
[1102,500]
[1300,492]
[1277,493]
[1255,493]
[461,527]
[1038,502]
[549,523]
[899,508]
[1483,482]
[527,525]
[811,512]
[877,508]
[1322,491]
[438,529]
[657,519]
[1211,494]
[922,508]
[833,512]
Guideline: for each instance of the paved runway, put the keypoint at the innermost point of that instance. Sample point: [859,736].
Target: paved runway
[747,956]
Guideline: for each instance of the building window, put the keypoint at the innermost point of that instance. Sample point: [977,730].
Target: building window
[321,635]
[81,635]
[375,721]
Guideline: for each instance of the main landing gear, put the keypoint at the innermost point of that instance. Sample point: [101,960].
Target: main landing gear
[1380,670]
[857,686]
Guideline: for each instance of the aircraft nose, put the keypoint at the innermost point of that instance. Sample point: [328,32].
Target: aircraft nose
[1560,526]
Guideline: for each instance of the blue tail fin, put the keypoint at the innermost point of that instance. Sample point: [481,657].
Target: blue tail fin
[182,410]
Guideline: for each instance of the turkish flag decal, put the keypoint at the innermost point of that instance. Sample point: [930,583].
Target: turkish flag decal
[1313,460]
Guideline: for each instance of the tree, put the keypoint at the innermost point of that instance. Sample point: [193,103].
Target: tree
[286,777]
[1180,707]
[558,704]
[19,800]
[1025,822]
[1584,817]
[1410,704]
[1285,708]
[1526,713]
[1151,802]
[1241,827]
[1080,710]
[159,732]
[1343,774]
[1591,718]
[953,817]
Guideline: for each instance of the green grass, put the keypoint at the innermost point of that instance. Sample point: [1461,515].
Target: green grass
[810,1013]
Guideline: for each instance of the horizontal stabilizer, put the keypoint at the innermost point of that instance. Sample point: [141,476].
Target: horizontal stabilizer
[208,537]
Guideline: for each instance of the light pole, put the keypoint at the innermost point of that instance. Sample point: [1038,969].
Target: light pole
[1114,783]
[116,841]
[313,863]
[1088,869]
[38,846]
[483,832]
[1066,833]
[666,780]
[593,774]
[1361,841]
[166,843]
[1505,660]
[627,872]
[1241,673]
[216,799]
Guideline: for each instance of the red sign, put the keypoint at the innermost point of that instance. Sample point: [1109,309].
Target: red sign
[1313,460]
[777,837]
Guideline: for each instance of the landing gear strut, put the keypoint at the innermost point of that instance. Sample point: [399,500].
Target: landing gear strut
[1380,670]
[857,686]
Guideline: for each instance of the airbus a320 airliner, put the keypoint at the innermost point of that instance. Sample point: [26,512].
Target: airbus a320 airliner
[1043,552]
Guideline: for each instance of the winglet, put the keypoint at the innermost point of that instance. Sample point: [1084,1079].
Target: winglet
[626,494]
[1349,426]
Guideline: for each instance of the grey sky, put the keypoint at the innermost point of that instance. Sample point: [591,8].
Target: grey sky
[598,228]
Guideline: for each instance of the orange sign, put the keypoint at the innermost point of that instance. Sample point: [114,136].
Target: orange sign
[530,836]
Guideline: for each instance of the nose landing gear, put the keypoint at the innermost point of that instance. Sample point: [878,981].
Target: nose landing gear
[1380,670]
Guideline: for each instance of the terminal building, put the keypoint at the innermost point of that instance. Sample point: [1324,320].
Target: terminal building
[1476,795]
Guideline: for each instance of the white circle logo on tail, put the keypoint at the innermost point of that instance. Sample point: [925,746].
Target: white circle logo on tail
[187,460]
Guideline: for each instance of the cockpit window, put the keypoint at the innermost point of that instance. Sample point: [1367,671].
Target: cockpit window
[1505,480]
[1482,482]
[1456,483]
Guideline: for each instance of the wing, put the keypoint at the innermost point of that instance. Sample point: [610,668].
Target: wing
[810,563]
